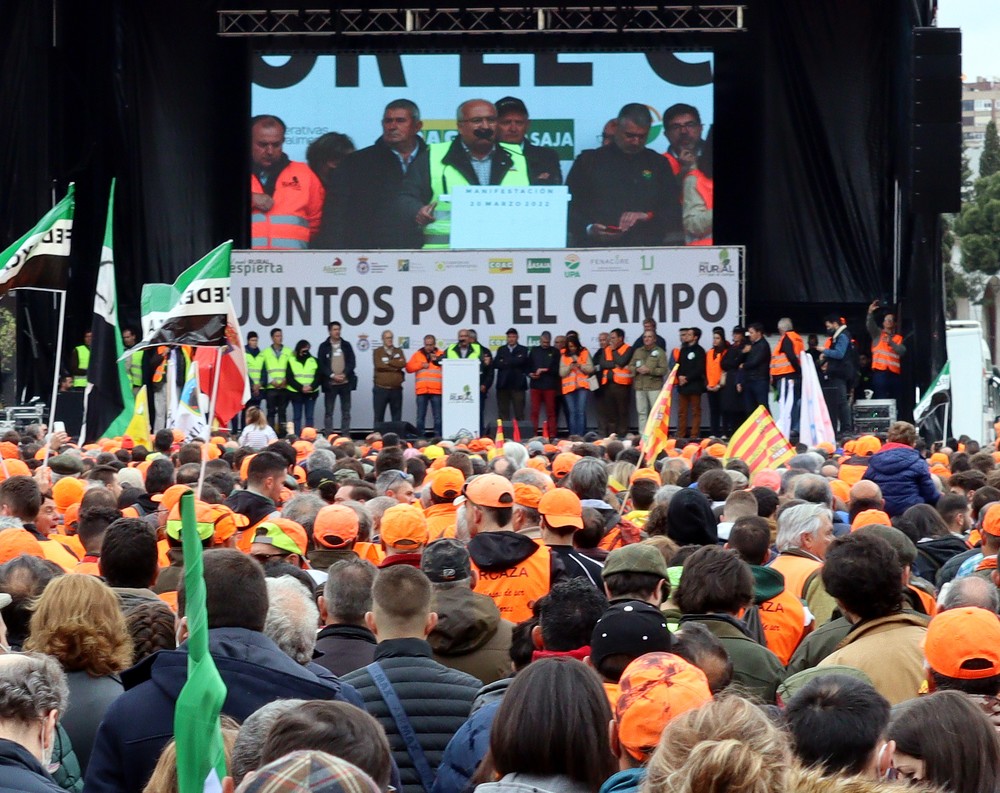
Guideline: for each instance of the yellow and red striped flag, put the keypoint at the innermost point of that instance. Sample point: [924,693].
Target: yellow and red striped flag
[657,429]
[759,443]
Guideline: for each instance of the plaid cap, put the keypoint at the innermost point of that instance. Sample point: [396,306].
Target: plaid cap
[309,772]
[631,628]
[284,534]
[446,560]
[959,636]
[636,558]
[655,689]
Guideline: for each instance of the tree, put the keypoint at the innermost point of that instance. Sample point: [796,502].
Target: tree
[978,224]
[989,164]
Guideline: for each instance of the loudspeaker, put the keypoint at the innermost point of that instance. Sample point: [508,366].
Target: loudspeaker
[402,428]
[936,116]
[508,430]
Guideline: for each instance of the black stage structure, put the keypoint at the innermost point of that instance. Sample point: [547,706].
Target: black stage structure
[837,132]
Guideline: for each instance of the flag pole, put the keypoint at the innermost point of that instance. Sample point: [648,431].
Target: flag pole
[55,369]
[211,413]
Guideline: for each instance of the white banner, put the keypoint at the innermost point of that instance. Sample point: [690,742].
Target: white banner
[413,293]
[460,397]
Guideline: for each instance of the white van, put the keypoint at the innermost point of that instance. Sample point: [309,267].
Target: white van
[974,394]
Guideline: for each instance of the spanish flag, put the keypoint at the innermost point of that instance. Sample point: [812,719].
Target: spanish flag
[759,443]
[657,429]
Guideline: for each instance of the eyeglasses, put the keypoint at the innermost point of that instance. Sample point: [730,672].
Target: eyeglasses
[690,126]
[263,558]
[397,474]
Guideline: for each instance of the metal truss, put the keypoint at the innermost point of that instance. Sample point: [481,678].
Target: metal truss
[497,20]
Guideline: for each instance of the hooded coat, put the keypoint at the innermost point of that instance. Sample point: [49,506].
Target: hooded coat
[690,520]
[903,476]
[470,636]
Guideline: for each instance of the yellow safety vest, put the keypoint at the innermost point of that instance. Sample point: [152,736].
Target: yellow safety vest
[82,362]
[275,364]
[445,178]
[304,372]
[255,367]
[135,368]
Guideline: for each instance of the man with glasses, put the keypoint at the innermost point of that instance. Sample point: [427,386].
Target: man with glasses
[624,194]
[395,484]
[682,129]
[473,158]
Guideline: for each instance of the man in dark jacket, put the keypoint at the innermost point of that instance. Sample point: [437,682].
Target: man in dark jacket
[265,476]
[436,700]
[902,474]
[511,365]
[756,368]
[543,374]
[141,721]
[346,643]
[34,693]
[366,190]
[337,377]
[512,127]
[691,384]
[838,373]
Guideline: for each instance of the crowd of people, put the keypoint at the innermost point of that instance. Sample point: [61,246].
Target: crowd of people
[439,617]
[395,193]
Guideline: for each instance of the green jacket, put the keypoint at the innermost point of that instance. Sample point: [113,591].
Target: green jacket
[656,360]
[756,670]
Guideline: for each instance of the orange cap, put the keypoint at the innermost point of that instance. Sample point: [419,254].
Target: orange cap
[867,445]
[71,516]
[169,498]
[490,490]
[9,451]
[716,450]
[870,517]
[768,478]
[655,689]
[302,450]
[940,458]
[245,466]
[539,463]
[335,526]
[308,434]
[644,473]
[841,489]
[213,520]
[299,474]
[561,507]
[448,482]
[527,495]
[282,533]
[690,450]
[404,526]
[18,542]
[960,635]
[991,523]
[826,446]
[563,463]
[10,467]
[68,490]
[849,447]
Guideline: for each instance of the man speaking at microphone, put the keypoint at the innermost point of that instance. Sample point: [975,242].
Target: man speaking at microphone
[473,158]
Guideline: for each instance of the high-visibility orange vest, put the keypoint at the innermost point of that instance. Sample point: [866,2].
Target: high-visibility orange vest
[621,375]
[675,164]
[796,570]
[295,216]
[162,559]
[706,189]
[516,589]
[575,381]
[440,521]
[369,551]
[779,361]
[87,567]
[783,619]
[60,554]
[428,381]
[71,542]
[926,600]
[884,358]
[713,366]
[170,598]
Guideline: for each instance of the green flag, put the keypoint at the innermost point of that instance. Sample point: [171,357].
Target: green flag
[201,759]
[40,258]
[941,384]
[194,309]
[108,401]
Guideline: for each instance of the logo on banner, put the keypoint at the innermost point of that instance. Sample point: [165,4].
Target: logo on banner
[440,266]
[336,266]
[647,261]
[539,266]
[363,343]
[534,341]
[724,267]
[404,342]
[498,341]
[572,266]
[364,267]
[464,396]
[555,133]
[403,265]
[501,266]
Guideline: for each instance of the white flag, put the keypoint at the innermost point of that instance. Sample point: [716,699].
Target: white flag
[814,417]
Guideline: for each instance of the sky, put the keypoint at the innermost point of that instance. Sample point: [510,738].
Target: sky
[980,24]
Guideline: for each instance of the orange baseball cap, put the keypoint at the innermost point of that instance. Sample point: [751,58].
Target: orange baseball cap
[826,446]
[68,490]
[9,451]
[404,526]
[645,473]
[302,450]
[958,636]
[490,490]
[308,434]
[991,523]
[867,445]
[940,458]
[245,466]
[10,467]
[716,450]
[870,517]
[215,521]
[690,450]
[655,689]
[71,516]
[561,507]
[841,489]
[448,482]
[18,542]
[282,533]
[539,463]
[563,463]
[527,495]
[170,497]
[768,478]
[335,526]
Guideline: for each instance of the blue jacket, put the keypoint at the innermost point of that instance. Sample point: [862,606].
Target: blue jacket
[903,476]
[465,751]
[140,722]
[627,781]
[20,771]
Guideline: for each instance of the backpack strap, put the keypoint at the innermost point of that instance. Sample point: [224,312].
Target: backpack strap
[406,731]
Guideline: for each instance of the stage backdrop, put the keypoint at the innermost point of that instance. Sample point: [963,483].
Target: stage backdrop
[413,293]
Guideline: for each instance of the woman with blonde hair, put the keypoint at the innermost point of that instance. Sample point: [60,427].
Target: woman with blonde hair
[78,621]
[257,433]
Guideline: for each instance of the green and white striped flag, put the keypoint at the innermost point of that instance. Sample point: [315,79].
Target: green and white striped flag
[201,758]
[40,258]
